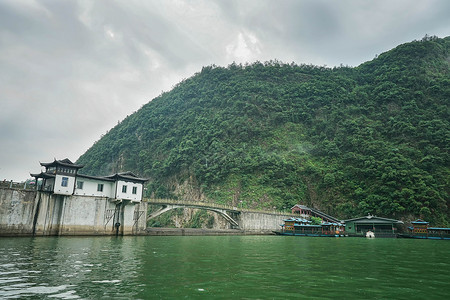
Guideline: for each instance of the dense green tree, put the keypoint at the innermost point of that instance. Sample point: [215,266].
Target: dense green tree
[350,141]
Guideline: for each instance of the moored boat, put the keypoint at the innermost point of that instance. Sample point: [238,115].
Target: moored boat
[420,230]
[303,227]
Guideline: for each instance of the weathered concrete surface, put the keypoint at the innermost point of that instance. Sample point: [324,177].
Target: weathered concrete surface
[16,212]
[84,215]
[260,222]
[25,213]
[42,214]
[250,223]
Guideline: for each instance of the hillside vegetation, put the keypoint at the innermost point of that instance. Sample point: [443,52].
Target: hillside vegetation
[373,139]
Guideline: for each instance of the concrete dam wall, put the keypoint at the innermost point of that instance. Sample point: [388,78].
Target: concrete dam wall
[17,209]
[25,213]
[260,222]
[29,212]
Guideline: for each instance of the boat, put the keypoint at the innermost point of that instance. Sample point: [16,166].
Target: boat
[303,227]
[420,230]
[370,234]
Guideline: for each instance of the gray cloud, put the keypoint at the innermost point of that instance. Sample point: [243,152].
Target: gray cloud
[70,70]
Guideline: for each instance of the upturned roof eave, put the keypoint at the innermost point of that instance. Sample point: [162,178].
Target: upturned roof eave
[65,162]
[42,175]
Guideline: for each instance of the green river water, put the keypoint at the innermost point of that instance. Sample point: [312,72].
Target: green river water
[223,267]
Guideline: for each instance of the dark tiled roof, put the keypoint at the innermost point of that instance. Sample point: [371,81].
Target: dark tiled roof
[64,162]
[126,176]
[42,175]
[373,219]
[301,206]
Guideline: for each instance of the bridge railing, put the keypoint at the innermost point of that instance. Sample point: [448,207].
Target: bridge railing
[215,205]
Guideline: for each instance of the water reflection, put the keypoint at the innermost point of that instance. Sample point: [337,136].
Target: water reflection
[243,267]
[49,266]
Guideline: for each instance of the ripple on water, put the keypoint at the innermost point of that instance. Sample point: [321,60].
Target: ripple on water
[65,295]
[107,281]
[10,279]
[241,267]
[22,291]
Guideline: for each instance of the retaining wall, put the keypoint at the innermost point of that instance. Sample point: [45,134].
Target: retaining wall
[24,213]
[259,222]
[16,211]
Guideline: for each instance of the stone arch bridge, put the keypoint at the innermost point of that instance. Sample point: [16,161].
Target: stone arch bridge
[238,218]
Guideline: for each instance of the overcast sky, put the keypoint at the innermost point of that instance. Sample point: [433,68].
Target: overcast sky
[70,70]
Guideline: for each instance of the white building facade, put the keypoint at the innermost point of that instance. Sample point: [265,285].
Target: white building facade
[61,177]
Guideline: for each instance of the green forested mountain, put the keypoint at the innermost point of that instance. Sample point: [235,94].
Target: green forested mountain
[349,141]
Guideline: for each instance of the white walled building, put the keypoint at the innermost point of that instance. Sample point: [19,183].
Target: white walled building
[94,186]
[61,177]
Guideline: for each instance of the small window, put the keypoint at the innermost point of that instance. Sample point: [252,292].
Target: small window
[100,187]
[80,185]
[65,181]
[124,188]
[134,190]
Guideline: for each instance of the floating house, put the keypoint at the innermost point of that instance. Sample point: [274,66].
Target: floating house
[381,227]
[303,227]
[419,226]
[420,230]
[62,177]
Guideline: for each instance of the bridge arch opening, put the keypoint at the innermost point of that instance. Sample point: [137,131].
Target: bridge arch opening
[229,216]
